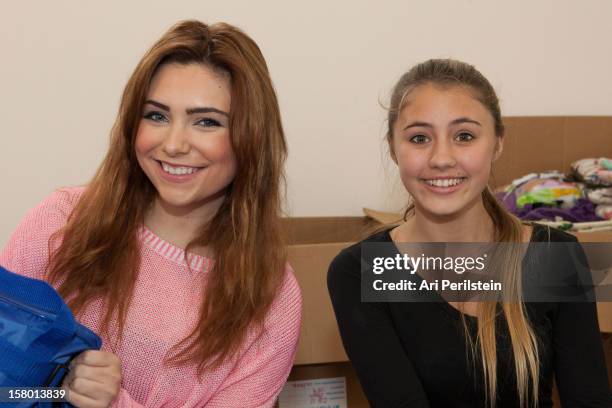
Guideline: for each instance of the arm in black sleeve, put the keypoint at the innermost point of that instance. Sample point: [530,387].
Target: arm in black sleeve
[384,370]
[580,366]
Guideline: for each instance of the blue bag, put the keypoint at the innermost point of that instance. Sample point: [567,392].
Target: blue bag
[38,335]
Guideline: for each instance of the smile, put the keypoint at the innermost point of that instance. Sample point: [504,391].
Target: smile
[178,170]
[444,183]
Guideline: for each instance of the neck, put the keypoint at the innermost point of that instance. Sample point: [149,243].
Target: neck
[180,225]
[472,224]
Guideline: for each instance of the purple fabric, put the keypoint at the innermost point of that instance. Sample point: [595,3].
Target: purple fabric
[582,211]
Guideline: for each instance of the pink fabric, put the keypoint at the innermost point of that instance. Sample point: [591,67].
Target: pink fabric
[164,308]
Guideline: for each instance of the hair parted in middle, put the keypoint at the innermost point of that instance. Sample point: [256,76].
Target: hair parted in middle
[99,253]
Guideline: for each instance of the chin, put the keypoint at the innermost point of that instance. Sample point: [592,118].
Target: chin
[187,200]
[443,209]
[443,213]
[176,199]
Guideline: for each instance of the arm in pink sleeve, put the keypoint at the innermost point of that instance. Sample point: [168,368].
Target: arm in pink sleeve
[262,371]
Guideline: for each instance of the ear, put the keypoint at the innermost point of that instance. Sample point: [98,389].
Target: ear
[499,148]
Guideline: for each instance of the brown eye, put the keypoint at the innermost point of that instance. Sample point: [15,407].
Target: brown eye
[419,139]
[464,137]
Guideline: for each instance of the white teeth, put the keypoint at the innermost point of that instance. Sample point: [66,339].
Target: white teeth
[444,182]
[178,170]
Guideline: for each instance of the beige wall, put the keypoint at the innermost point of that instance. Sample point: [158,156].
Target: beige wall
[64,65]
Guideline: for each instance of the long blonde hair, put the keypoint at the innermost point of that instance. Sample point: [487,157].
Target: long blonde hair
[508,228]
[100,252]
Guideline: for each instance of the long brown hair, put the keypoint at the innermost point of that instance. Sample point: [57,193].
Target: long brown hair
[101,236]
[508,228]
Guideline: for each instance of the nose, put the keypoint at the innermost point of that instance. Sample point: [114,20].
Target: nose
[176,141]
[442,155]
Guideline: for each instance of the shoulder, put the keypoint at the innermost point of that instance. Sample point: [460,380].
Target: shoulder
[545,233]
[348,261]
[562,263]
[53,211]
[28,247]
[58,204]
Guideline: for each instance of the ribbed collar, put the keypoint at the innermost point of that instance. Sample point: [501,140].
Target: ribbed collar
[172,252]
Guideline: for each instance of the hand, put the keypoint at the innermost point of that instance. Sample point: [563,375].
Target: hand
[93,380]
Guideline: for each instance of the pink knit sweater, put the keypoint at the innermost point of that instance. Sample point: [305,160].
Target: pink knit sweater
[162,312]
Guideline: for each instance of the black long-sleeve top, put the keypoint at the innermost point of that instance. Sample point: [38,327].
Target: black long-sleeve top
[415,354]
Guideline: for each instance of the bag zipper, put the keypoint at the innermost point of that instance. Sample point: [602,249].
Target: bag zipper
[32,309]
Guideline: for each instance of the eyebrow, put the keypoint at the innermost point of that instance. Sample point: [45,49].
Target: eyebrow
[454,122]
[189,111]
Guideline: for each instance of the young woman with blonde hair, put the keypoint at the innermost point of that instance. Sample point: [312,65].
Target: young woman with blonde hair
[173,253]
[444,132]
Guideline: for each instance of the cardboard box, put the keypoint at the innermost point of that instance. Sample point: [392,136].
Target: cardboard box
[604,309]
[541,143]
[314,243]
[355,396]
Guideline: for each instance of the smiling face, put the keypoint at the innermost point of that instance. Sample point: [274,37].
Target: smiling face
[444,143]
[183,141]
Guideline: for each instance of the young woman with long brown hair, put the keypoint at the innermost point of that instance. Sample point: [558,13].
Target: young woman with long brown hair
[444,131]
[173,252]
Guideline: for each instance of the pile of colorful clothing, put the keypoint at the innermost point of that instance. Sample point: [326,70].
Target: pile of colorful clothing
[583,196]
[597,176]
